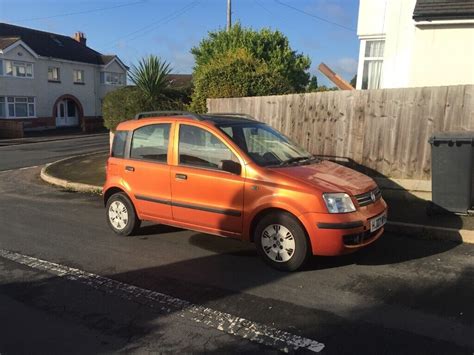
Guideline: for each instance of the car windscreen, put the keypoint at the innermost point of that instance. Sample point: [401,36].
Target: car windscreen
[265,145]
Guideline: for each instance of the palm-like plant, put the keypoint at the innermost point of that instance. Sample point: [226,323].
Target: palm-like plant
[150,76]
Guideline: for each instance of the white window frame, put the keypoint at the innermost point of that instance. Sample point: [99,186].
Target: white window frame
[363,59]
[107,76]
[58,79]
[7,101]
[75,77]
[18,63]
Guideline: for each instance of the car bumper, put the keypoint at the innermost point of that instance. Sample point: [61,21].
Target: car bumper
[337,234]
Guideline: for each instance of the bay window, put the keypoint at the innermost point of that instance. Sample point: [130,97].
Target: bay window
[17,107]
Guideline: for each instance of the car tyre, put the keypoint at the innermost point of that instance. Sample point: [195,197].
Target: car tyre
[121,215]
[281,241]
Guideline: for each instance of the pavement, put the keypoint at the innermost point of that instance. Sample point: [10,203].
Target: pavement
[69,284]
[52,135]
[86,173]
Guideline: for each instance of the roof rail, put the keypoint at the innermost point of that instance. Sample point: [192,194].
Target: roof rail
[232,114]
[167,113]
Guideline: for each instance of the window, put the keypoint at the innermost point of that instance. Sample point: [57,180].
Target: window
[199,147]
[118,147]
[266,146]
[53,74]
[373,60]
[151,142]
[78,76]
[109,78]
[3,112]
[18,69]
[17,107]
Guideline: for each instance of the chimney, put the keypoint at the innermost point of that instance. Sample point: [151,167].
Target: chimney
[79,36]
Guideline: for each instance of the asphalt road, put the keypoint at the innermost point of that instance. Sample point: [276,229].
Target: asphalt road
[400,295]
[31,154]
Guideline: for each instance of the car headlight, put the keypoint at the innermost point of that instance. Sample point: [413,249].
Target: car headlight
[338,202]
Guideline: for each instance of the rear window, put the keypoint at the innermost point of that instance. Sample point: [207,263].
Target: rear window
[118,147]
[151,142]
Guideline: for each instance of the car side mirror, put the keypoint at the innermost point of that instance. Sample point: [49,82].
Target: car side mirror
[230,166]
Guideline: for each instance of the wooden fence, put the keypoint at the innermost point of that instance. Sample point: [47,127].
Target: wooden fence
[385,131]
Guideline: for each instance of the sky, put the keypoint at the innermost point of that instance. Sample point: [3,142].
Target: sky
[325,30]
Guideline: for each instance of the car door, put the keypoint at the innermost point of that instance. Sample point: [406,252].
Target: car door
[147,172]
[202,193]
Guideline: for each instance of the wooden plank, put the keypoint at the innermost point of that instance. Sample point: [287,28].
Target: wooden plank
[336,79]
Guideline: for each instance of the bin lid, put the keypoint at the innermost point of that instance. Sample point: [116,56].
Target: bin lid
[454,137]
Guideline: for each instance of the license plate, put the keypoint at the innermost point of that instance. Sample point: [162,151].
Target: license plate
[378,222]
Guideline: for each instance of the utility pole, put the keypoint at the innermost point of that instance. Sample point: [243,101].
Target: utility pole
[229,15]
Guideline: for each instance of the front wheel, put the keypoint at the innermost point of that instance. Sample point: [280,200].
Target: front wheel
[121,215]
[281,241]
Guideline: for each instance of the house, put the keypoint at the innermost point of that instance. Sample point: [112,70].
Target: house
[413,43]
[49,80]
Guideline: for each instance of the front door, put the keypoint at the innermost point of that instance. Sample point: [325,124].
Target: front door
[67,114]
[202,194]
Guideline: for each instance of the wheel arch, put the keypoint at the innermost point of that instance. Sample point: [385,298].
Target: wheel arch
[268,210]
[113,190]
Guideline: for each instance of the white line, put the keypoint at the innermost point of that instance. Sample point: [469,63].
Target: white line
[224,322]
[24,168]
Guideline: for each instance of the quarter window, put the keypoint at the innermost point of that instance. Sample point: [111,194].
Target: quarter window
[373,61]
[151,142]
[198,147]
[118,147]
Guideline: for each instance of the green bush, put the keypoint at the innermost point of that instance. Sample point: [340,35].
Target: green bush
[244,62]
[124,103]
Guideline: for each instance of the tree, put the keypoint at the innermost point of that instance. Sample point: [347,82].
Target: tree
[245,62]
[354,81]
[150,76]
[313,84]
[124,103]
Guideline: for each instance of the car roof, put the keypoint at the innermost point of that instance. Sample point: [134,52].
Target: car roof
[216,119]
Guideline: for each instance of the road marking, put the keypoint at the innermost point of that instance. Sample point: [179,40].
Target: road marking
[24,168]
[225,322]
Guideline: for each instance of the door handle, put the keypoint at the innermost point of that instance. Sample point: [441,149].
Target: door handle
[181,177]
[129,168]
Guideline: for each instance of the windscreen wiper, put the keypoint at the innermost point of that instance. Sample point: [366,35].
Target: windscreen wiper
[298,160]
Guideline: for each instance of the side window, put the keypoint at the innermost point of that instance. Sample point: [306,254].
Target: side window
[151,142]
[118,146]
[199,147]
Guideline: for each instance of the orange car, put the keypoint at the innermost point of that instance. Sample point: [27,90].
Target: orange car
[230,175]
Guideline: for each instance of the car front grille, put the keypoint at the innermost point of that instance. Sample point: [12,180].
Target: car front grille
[368,197]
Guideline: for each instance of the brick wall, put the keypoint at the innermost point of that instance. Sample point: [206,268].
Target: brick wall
[11,129]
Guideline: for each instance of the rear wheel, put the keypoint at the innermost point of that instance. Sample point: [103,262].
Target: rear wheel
[121,215]
[281,241]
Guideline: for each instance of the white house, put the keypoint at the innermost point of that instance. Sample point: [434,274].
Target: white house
[49,80]
[413,43]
